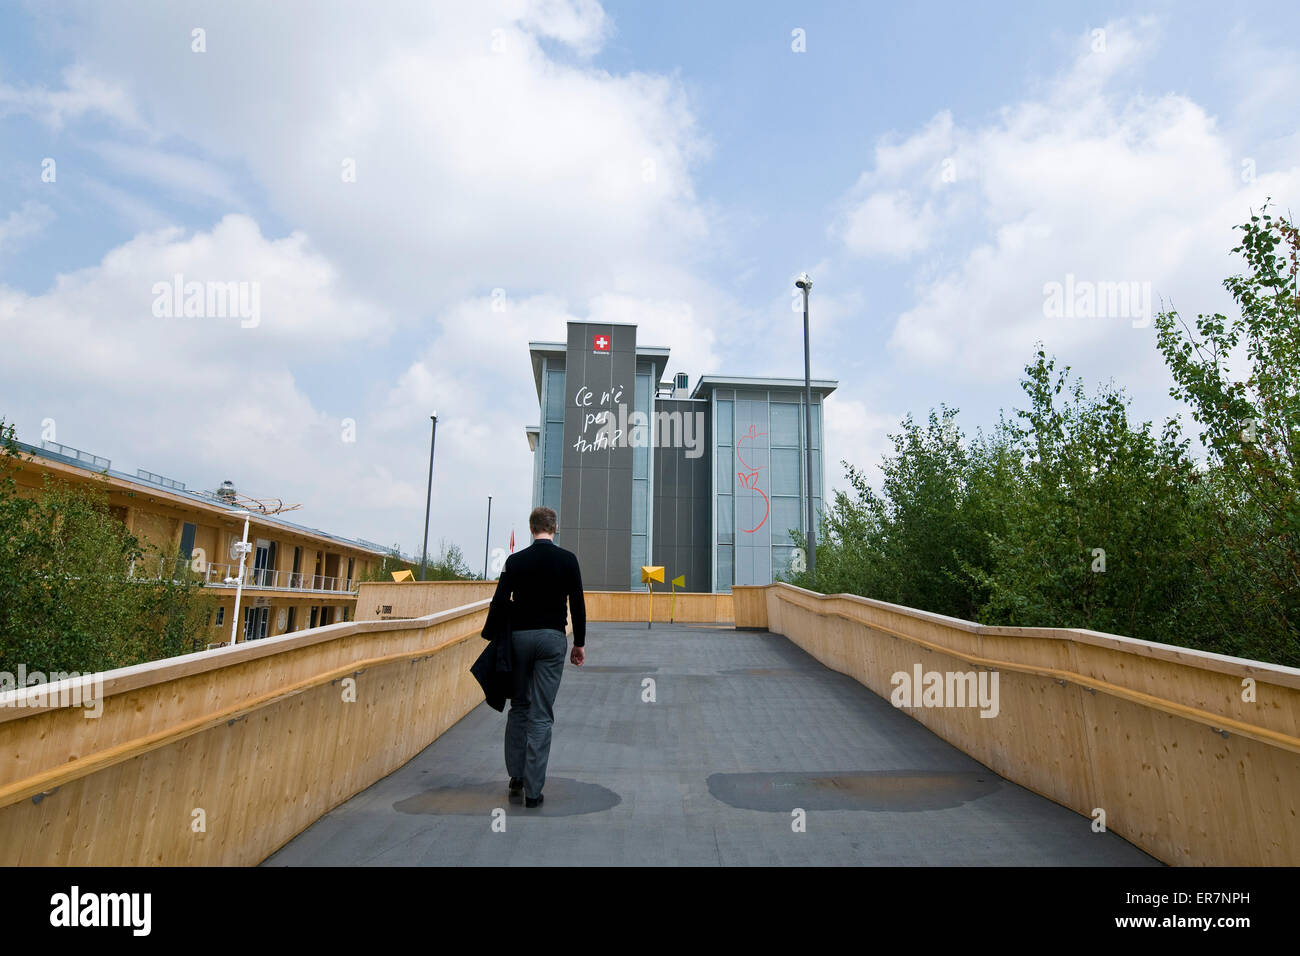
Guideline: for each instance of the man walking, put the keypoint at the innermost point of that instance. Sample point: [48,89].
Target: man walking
[533,587]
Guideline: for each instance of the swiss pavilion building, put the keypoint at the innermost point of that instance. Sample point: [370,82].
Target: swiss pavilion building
[707,481]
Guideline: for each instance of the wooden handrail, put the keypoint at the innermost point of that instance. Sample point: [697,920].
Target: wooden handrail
[82,766]
[1214,721]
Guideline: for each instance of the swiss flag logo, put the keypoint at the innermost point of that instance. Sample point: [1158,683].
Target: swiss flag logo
[600,343]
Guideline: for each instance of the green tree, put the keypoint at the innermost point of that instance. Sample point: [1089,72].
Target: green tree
[920,540]
[1097,529]
[1070,515]
[1241,378]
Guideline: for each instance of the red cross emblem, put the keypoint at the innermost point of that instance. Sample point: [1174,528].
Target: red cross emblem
[601,343]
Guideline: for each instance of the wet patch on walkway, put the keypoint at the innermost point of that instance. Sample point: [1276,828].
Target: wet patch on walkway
[898,791]
[618,669]
[565,797]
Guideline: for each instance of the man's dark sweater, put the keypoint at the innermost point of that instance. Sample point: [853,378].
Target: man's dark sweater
[539,579]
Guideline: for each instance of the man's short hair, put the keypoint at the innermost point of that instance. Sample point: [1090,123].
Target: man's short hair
[542,521]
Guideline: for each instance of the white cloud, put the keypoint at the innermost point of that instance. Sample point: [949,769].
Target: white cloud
[857,434]
[896,157]
[180,176]
[483,158]
[1086,180]
[29,219]
[889,224]
[202,398]
[581,24]
[676,324]
[83,93]
[489,154]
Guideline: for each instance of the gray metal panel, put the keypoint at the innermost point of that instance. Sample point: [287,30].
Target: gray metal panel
[683,503]
[597,477]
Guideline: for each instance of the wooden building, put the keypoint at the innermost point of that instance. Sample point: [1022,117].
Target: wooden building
[294,577]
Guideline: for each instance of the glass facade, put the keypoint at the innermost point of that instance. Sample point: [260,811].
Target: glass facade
[552,438]
[724,495]
[641,496]
[761,482]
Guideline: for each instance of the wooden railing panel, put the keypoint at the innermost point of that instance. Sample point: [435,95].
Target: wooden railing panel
[1158,737]
[416,599]
[258,737]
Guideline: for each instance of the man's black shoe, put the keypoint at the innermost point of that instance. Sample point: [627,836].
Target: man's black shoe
[516,788]
[533,803]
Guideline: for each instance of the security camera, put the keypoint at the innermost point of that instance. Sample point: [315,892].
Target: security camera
[804,281]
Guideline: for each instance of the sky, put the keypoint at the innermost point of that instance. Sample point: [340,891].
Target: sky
[406,194]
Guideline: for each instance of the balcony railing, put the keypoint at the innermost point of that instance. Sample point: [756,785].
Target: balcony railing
[227,575]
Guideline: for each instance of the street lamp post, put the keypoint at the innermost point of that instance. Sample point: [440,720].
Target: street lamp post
[428,495]
[243,547]
[804,282]
[487,539]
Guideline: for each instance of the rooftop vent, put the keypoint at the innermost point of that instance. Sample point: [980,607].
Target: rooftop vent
[227,492]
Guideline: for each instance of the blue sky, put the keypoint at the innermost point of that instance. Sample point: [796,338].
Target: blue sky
[671,164]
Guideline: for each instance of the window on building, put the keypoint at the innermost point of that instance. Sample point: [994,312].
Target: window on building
[221,616]
[256,621]
[726,501]
[263,555]
[788,503]
[817,458]
[726,567]
[553,438]
[186,553]
[641,483]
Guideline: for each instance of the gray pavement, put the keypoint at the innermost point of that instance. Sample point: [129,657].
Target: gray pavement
[745,728]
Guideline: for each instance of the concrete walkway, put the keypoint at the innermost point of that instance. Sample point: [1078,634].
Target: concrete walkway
[745,728]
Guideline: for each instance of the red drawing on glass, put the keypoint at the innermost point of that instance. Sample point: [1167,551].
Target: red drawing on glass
[749,477]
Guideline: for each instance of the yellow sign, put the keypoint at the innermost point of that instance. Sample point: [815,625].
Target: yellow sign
[403,576]
[678,582]
[649,573]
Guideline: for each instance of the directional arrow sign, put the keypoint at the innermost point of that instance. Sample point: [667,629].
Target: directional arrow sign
[651,572]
